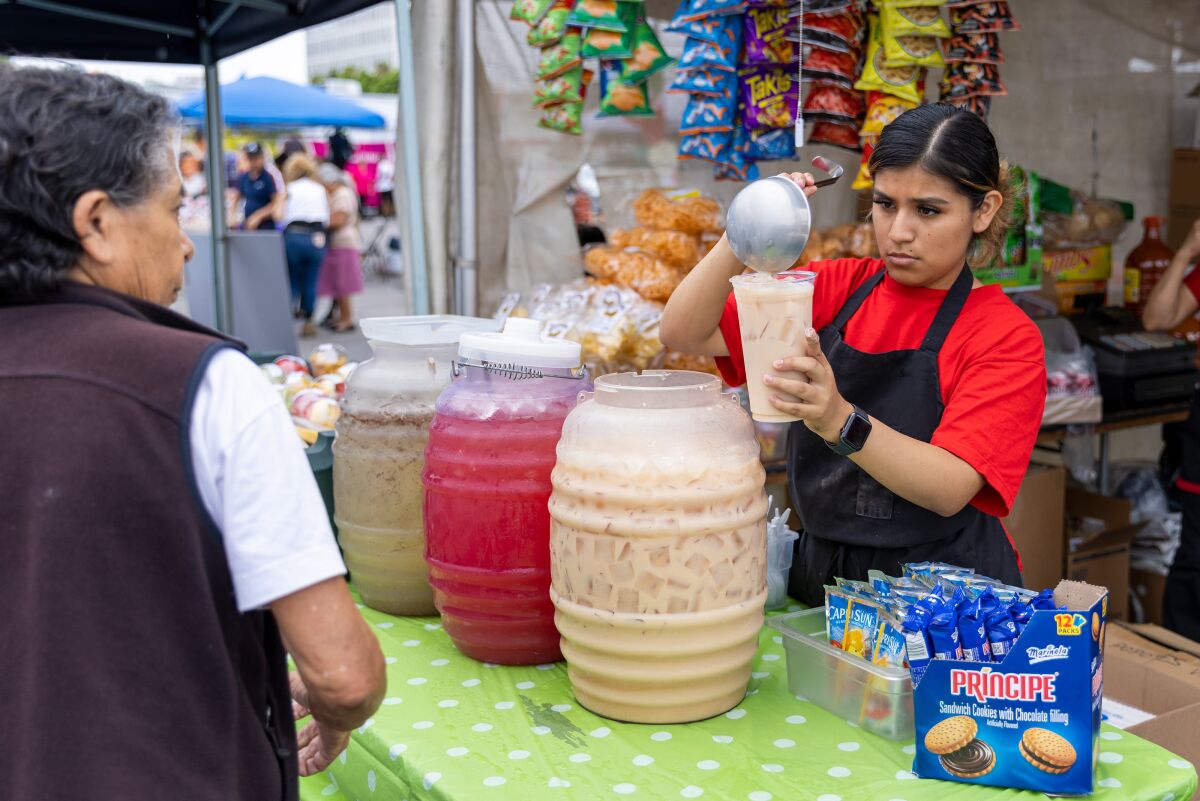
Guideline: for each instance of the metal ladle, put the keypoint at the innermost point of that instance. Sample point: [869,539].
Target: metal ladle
[769,222]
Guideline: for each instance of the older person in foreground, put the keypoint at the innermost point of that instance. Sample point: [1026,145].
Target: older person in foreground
[163,541]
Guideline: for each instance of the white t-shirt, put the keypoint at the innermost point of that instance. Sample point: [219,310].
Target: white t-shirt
[385,176]
[307,201]
[255,482]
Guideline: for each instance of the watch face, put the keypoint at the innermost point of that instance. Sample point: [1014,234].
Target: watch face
[857,429]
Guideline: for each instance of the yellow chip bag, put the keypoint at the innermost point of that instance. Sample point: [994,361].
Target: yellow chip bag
[903,82]
[912,51]
[883,111]
[924,20]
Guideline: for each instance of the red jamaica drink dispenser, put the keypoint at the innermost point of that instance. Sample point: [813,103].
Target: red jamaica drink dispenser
[487,484]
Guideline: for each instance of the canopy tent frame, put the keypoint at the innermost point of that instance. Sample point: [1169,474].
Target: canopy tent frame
[205,36]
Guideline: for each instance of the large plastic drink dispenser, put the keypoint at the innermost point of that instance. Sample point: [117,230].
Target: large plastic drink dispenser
[380,452]
[487,481]
[658,547]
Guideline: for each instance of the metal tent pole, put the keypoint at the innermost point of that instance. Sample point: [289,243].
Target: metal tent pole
[414,244]
[214,169]
[466,266]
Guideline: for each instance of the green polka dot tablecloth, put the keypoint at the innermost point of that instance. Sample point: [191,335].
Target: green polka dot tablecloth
[453,729]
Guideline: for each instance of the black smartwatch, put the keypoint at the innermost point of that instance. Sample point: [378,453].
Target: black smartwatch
[854,434]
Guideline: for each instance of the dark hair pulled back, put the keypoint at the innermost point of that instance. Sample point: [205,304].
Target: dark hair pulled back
[954,144]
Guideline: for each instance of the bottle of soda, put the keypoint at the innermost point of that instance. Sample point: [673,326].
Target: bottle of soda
[1146,264]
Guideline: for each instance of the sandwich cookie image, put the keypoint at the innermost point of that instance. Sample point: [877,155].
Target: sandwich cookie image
[953,740]
[1047,751]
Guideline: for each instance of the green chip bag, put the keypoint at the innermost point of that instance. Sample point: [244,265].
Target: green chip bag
[561,57]
[566,88]
[619,99]
[530,11]
[912,51]
[552,27]
[600,43]
[564,118]
[648,56]
[604,14]
[901,82]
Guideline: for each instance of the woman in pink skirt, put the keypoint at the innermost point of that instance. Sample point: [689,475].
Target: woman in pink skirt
[341,274]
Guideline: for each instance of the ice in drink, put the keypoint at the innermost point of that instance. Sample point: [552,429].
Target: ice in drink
[775,311]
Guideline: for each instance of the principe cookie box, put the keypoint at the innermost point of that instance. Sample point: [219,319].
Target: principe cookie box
[1031,721]
[879,699]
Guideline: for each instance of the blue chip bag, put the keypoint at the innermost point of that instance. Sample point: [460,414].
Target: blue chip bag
[728,172]
[707,115]
[943,634]
[1002,633]
[706,146]
[704,81]
[707,29]
[972,633]
[837,607]
[777,145]
[698,53]
[690,10]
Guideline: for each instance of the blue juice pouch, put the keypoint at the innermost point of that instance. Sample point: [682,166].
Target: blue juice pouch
[880,582]
[860,589]
[1002,633]
[889,643]
[943,634]
[972,633]
[862,625]
[837,607]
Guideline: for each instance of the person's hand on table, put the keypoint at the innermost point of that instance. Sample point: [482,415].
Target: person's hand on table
[317,744]
[813,396]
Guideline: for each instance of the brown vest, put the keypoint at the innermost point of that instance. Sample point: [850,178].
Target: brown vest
[126,670]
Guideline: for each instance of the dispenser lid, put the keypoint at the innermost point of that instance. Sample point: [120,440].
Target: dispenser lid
[424,329]
[521,343]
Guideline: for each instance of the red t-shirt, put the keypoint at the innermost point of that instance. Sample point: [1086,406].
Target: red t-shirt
[1192,280]
[992,367]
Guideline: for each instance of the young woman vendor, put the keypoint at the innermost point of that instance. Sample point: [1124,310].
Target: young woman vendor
[922,391]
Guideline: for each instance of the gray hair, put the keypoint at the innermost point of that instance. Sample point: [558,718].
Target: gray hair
[63,133]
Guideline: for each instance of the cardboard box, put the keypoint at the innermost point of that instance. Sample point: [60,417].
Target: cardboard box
[1040,704]
[1185,178]
[1179,222]
[1099,535]
[1036,526]
[1076,297]
[1086,264]
[1148,588]
[1144,670]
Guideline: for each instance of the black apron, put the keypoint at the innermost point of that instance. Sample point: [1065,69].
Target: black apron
[852,523]
[1181,596]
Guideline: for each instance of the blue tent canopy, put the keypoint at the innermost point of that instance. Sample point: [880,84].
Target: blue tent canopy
[269,102]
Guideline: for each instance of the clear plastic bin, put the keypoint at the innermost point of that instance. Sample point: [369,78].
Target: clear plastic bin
[876,698]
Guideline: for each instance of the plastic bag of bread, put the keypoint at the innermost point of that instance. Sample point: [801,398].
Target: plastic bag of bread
[674,360]
[603,328]
[1091,223]
[689,213]
[647,276]
[643,348]
[603,261]
[674,248]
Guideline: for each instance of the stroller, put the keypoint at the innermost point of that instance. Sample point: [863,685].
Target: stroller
[381,255]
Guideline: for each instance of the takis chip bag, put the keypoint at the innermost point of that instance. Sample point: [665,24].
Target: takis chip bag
[563,117]
[566,88]
[911,51]
[837,608]
[598,14]
[963,79]
[560,58]
[981,48]
[529,11]
[769,97]
[903,82]
[706,115]
[983,18]
[552,27]
[862,624]
[708,82]
[765,36]
[648,55]
[619,99]
[914,21]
